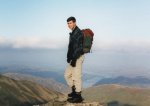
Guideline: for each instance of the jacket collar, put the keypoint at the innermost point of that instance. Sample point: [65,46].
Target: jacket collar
[74,31]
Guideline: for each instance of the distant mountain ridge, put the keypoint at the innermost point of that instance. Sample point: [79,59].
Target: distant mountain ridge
[138,81]
[39,72]
[46,82]
[46,73]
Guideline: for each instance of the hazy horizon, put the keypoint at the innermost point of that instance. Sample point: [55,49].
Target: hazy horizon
[102,63]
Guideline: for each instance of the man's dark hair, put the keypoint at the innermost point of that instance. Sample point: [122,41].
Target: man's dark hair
[71,19]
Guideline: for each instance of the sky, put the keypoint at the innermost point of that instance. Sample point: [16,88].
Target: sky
[117,24]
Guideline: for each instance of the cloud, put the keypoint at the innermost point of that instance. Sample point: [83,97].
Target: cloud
[31,42]
[2,40]
[123,45]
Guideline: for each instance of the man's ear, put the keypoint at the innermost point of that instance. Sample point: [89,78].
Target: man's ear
[75,23]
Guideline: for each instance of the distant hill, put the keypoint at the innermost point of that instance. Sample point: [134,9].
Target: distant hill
[118,95]
[46,82]
[39,72]
[138,81]
[57,75]
[24,93]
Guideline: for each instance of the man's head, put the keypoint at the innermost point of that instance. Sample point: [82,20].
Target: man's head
[71,21]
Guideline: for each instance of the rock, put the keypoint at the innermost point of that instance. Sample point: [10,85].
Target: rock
[84,104]
[64,103]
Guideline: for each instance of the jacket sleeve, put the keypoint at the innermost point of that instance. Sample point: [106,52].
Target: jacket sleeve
[78,46]
[69,49]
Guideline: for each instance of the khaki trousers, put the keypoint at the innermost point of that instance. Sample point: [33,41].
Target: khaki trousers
[73,75]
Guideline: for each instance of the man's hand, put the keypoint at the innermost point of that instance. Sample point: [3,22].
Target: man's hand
[68,60]
[73,63]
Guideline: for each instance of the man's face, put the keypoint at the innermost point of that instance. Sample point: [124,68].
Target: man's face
[71,25]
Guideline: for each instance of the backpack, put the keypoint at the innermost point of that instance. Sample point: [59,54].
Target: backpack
[88,40]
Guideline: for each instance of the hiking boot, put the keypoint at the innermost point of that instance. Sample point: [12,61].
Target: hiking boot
[76,99]
[73,93]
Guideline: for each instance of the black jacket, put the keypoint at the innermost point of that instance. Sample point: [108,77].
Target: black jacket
[75,47]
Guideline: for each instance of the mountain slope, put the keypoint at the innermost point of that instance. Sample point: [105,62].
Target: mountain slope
[46,82]
[24,93]
[117,95]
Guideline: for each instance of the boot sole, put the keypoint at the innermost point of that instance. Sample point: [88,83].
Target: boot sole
[71,101]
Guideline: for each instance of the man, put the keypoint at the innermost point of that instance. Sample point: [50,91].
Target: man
[75,58]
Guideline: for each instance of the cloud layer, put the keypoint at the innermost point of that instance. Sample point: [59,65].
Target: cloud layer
[31,42]
[54,43]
